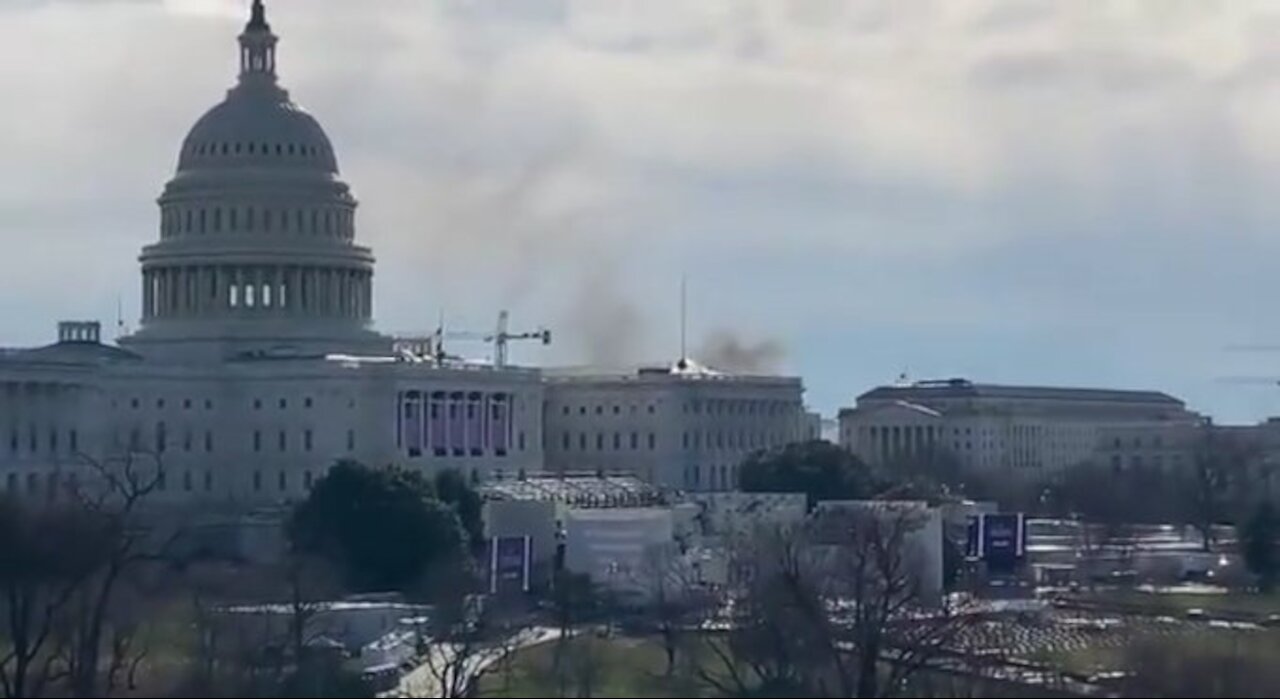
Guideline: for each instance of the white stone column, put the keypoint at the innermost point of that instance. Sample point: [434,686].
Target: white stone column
[202,295]
[318,292]
[368,295]
[218,302]
[174,292]
[326,301]
[162,288]
[180,291]
[344,292]
[301,277]
[281,292]
[146,294]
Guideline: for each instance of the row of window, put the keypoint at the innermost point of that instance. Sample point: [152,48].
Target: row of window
[1136,461]
[53,482]
[726,406]
[136,403]
[720,439]
[72,443]
[721,477]
[1012,431]
[338,222]
[282,440]
[350,297]
[187,403]
[278,149]
[566,441]
[600,409]
[282,481]
[1156,441]
[161,444]
[715,406]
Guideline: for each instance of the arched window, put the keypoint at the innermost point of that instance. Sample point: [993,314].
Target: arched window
[315,221]
[279,149]
[224,149]
[248,219]
[204,219]
[266,296]
[266,219]
[190,213]
[217,220]
[249,295]
[232,224]
[290,149]
[284,220]
[237,149]
[233,297]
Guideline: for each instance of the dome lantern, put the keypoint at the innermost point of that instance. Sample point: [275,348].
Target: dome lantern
[258,47]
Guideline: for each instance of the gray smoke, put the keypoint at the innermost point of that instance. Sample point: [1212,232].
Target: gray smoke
[724,350]
[607,325]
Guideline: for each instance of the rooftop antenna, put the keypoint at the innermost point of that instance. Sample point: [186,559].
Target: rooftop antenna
[440,355]
[684,321]
[120,329]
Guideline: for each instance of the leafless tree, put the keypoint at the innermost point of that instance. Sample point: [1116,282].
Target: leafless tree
[256,627]
[838,607]
[575,600]
[96,646]
[65,560]
[1219,464]
[467,633]
[675,600]
[46,555]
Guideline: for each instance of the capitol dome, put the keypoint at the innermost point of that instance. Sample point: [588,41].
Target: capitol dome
[257,126]
[257,247]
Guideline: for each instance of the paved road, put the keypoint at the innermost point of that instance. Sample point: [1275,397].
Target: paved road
[422,681]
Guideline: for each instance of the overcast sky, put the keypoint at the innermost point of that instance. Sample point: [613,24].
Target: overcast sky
[1078,193]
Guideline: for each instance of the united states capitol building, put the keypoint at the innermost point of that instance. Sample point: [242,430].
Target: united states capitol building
[256,366]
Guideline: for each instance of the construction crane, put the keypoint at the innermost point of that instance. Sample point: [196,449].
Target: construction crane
[500,338]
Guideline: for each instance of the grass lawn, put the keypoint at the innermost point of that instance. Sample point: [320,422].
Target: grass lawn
[1252,645]
[613,667]
[630,667]
[1212,664]
[1176,603]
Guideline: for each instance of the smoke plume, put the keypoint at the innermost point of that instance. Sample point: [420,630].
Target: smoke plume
[609,326]
[725,351]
